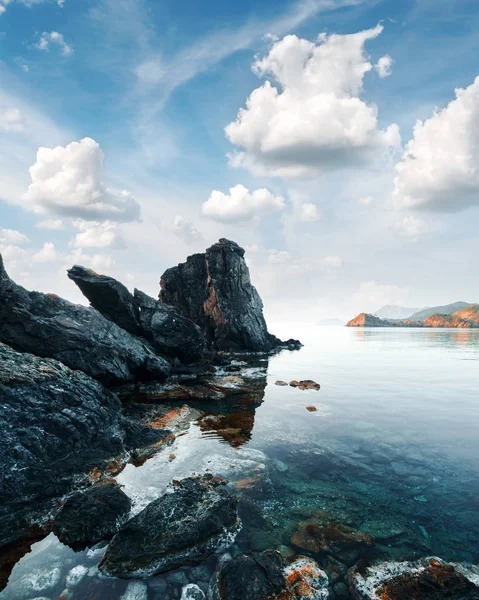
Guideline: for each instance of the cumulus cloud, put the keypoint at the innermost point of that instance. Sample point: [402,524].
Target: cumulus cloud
[11,120]
[371,296]
[47,254]
[5,3]
[54,224]
[314,120]
[68,181]
[411,227]
[10,236]
[308,212]
[97,235]
[439,170]
[185,230]
[241,204]
[278,257]
[48,39]
[384,66]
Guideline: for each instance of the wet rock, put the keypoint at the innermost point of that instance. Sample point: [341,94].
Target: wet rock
[79,337]
[54,423]
[214,290]
[196,517]
[11,554]
[255,576]
[91,516]
[192,592]
[305,384]
[427,579]
[311,409]
[280,383]
[326,535]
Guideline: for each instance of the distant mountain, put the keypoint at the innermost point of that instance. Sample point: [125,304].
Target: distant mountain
[448,309]
[331,323]
[466,318]
[392,311]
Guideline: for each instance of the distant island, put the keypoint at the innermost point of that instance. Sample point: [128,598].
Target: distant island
[458,315]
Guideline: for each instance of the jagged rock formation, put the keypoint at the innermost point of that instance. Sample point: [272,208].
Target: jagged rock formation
[169,332]
[214,290]
[196,517]
[79,337]
[427,578]
[467,318]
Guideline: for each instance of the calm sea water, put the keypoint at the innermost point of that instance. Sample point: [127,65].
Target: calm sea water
[392,450]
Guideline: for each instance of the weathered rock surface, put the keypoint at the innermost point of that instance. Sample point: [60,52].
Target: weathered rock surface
[168,331]
[424,579]
[53,422]
[214,290]
[79,337]
[260,575]
[196,517]
[91,516]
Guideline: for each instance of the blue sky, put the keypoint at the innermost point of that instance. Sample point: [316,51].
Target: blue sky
[339,214]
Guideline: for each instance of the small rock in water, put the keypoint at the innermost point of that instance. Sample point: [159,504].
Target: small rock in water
[279,382]
[305,384]
[420,498]
[136,590]
[305,580]
[311,408]
[192,592]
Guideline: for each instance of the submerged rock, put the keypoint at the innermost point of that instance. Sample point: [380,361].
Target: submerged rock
[427,579]
[54,422]
[196,517]
[79,337]
[260,575]
[91,516]
[170,332]
[214,290]
[305,384]
[192,592]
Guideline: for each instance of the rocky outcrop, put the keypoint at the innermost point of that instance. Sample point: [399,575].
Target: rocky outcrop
[169,332]
[91,516]
[196,517]
[367,320]
[54,422]
[79,337]
[466,318]
[427,578]
[214,290]
[258,575]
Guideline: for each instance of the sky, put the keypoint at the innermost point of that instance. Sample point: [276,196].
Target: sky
[337,141]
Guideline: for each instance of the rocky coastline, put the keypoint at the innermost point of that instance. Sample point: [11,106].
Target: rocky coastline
[89,391]
[466,318]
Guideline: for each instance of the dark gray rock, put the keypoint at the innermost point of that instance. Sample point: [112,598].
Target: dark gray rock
[79,337]
[214,290]
[170,332]
[91,516]
[54,422]
[196,517]
[163,326]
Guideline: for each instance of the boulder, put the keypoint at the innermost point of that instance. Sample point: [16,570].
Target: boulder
[259,575]
[195,518]
[79,337]
[54,422]
[214,290]
[427,578]
[168,331]
[91,516]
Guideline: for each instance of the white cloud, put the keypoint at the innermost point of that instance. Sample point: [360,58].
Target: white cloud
[366,200]
[371,296]
[279,257]
[10,236]
[54,38]
[184,229]
[46,254]
[240,204]
[412,227]
[29,3]
[331,263]
[68,181]
[97,235]
[11,120]
[315,120]
[440,166]
[308,212]
[96,261]
[54,224]
[384,66]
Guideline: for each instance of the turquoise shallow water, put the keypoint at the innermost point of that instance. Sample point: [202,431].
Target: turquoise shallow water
[392,450]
